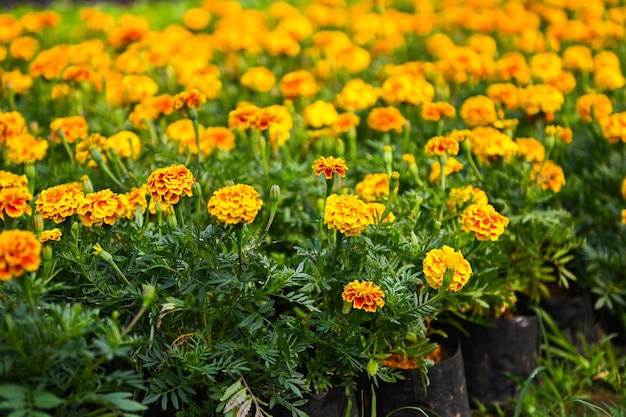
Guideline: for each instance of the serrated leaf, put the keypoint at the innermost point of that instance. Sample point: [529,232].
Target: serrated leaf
[245,408]
[235,401]
[46,400]
[231,390]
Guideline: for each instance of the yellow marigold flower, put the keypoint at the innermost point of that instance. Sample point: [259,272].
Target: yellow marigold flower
[35,22]
[484,221]
[101,207]
[277,120]
[49,235]
[14,201]
[150,109]
[25,148]
[278,42]
[541,98]
[319,114]
[614,127]
[478,111]
[60,90]
[459,197]
[565,82]
[545,66]
[506,94]
[434,111]
[123,90]
[513,66]
[243,117]
[608,78]
[377,210]
[191,99]
[136,197]
[12,124]
[83,149]
[9,180]
[623,188]
[531,149]
[374,187]
[452,165]
[563,133]
[385,119]
[407,88]
[364,295]
[347,214]
[235,204]
[489,143]
[441,145]
[438,261]
[59,202]
[196,18]
[259,79]
[217,137]
[17,82]
[130,29]
[578,58]
[356,95]
[24,48]
[548,175]
[593,106]
[167,185]
[345,122]
[624,216]
[299,83]
[50,63]
[19,252]
[73,128]
[126,144]
[329,165]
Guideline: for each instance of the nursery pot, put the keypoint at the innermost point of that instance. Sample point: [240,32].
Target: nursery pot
[494,354]
[445,396]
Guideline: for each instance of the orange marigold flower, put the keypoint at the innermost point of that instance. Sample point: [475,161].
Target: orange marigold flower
[126,144]
[489,143]
[84,147]
[235,204]
[319,114]
[12,124]
[531,149]
[9,180]
[438,261]
[484,221]
[578,58]
[218,137]
[434,111]
[277,120]
[441,145]
[541,98]
[299,83]
[478,111]
[14,201]
[167,185]
[196,18]
[377,210]
[136,197]
[329,165]
[345,122]
[191,99]
[452,165]
[374,187]
[385,119]
[506,94]
[150,109]
[407,88]
[25,149]
[608,78]
[73,127]
[548,175]
[614,127]
[259,79]
[593,106]
[346,213]
[19,252]
[101,207]
[16,82]
[560,132]
[59,202]
[242,117]
[468,194]
[545,66]
[356,95]
[364,295]
[49,235]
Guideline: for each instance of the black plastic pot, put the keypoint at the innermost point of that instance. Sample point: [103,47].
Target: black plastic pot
[445,396]
[494,355]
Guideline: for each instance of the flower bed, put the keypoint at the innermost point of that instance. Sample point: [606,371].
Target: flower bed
[218,209]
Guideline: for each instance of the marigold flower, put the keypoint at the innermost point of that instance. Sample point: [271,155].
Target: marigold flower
[136,197]
[50,63]
[434,111]
[84,147]
[478,111]
[14,201]
[319,114]
[438,261]
[548,175]
[235,204]
[545,66]
[167,185]
[513,66]
[277,120]
[377,210]
[299,83]
[25,149]
[441,145]
[347,214]
[506,94]
[623,188]
[345,122]
[150,109]
[101,207]
[12,124]
[608,78]
[531,149]
[541,98]
[329,165]
[563,133]
[364,295]
[126,144]
[73,127]
[374,187]
[49,235]
[624,216]
[578,58]
[593,107]
[259,79]
[452,165]
[484,221]
[217,137]
[17,82]
[468,194]
[385,119]
[20,252]
[614,127]
[196,18]
[191,99]
[356,95]
[59,202]
[243,116]
[407,88]
[489,143]
[9,180]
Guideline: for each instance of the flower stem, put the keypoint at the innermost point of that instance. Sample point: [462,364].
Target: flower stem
[239,235]
[61,135]
[442,162]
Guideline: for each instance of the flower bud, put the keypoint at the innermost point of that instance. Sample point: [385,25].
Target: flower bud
[38,223]
[196,189]
[149,294]
[87,184]
[341,148]
[102,254]
[171,219]
[46,253]
[274,193]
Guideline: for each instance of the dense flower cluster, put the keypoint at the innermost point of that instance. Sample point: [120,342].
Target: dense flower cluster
[347,214]
[364,295]
[19,252]
[438,261]
[235,204]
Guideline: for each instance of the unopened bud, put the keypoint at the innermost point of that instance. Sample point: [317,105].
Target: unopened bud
[196,189]
[341,148]
[38,223]
[274,193]
[87,184]
[46,253]
[171,219]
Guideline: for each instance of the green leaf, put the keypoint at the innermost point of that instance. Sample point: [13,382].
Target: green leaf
[45,399]
[235,401]
[231,390]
